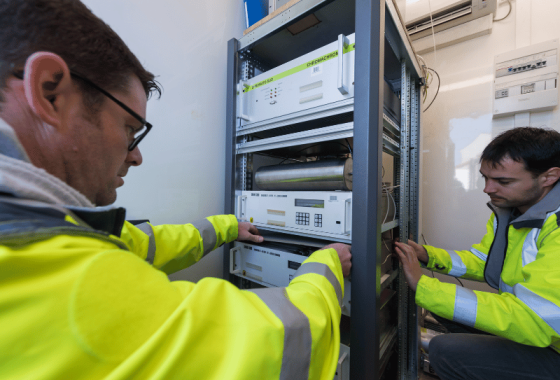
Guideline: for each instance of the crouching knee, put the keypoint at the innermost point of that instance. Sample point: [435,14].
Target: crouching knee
[442,351]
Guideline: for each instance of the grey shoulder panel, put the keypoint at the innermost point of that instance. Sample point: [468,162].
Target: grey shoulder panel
[18,239]
[296,358]
[21,225]
[323,270]
[208,234]
[148,230]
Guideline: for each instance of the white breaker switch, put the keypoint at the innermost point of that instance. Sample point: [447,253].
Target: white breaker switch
[526,79]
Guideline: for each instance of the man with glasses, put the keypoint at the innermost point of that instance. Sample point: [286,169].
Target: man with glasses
[84,294]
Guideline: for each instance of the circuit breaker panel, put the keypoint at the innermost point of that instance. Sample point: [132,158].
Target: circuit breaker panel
[526,79]
[299,149]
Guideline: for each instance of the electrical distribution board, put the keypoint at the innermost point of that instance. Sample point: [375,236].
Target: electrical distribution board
[526,79]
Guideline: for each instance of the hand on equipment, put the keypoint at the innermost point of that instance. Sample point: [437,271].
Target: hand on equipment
[407,254]
[420,251]
[344,254]
[247,232]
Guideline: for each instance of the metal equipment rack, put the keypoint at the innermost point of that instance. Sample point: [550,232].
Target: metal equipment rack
[383,51]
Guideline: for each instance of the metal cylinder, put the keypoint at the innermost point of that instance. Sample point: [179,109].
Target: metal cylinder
[323,175]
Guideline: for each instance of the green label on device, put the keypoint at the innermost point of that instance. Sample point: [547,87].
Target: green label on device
[297,69]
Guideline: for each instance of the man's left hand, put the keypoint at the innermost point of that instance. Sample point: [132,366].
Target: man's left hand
[411,266]
[247,232]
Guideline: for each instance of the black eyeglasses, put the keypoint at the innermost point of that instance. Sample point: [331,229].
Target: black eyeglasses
[139,133]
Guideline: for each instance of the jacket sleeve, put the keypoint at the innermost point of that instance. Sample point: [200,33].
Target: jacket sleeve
[171,248]
[465,264]
[530,314]
[211,329]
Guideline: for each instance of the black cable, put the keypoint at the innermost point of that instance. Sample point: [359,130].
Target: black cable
[273,156]
[437,91]
[460,282]
[300,151]
[315,146]
[349,148]
[509,12]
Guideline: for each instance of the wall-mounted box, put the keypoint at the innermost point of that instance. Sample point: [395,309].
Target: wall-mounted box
[526,79]
[432,16]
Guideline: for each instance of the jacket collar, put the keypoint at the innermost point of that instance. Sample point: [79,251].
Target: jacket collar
[109,219]
[536,215]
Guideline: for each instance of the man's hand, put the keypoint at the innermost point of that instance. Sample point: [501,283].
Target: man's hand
[345,256]
[247,232]
[420,252]
[411,266]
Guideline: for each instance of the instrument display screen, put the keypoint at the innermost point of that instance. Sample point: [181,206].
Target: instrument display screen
[313,203]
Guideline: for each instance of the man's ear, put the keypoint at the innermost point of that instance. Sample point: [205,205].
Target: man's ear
[47,85]
[551,176]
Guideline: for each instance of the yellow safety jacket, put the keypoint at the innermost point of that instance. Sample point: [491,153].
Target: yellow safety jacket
[519,256]
[79,302]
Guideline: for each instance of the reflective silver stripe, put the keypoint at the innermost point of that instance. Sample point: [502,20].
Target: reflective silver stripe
[465,307]
[458,268]
[148,230]
[323,270]
[530,250]
[296,357]
[505,288]
[479,254]
[547,310]
[208,234]
[495,224]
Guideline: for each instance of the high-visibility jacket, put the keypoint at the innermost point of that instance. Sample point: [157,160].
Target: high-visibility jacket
[79,302]
[520,256]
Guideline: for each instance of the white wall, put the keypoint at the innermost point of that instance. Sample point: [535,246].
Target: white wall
[185,44]
[459,124]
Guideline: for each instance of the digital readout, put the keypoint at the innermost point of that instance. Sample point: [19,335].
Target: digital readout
[314,203]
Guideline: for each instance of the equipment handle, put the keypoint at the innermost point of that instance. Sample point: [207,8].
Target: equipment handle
[232,252]
[240,86]
[348,216]
[339,365]
[342,43]
[240,212]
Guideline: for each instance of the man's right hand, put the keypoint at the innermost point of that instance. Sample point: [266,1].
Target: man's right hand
[420,251]
[345,256]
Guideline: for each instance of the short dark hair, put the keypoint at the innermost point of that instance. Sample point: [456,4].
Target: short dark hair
[68,28]
[537,148]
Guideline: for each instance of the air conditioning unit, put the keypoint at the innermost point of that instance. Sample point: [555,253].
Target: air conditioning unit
[445,14]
